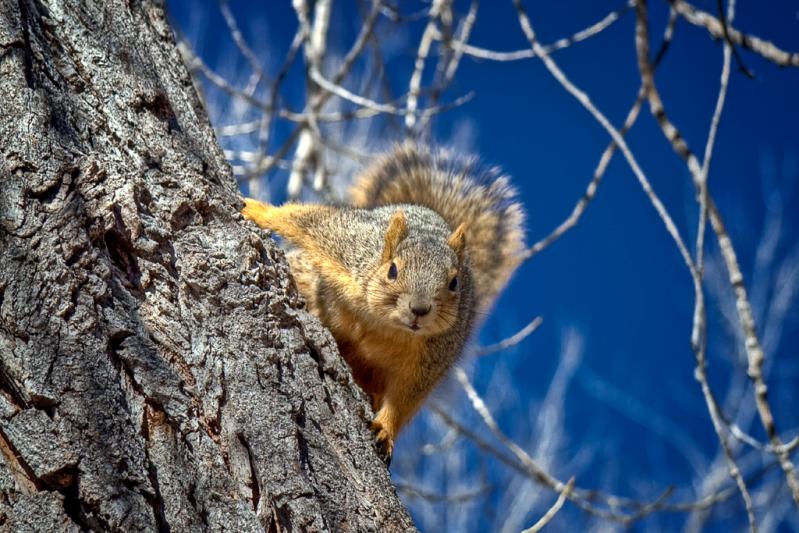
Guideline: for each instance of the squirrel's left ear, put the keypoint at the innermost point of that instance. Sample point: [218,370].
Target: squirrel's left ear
[397,230]
[457,241]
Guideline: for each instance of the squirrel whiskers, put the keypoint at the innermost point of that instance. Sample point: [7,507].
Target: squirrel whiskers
[400,277]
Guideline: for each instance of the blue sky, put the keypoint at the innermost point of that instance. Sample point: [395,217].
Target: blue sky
[617,278]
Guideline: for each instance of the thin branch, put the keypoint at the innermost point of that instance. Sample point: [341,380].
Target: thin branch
[444,443]
[581,497]
[711,142]
[265,123]
[433,497]
[238,39]
[552,511]
[307,152]
[586,33]
[604,161]
[586,102]
[465,32]
[642,509]
[754,350]
[454,62]
[196,64]
[513,340]
[362,101]
[270,162]
[725,22]
[246,128]
[480,407]
[232,130]
[789,447]
[377,107]
[698,335]
[421,58]
[714,26]
[707,502]
[367,30]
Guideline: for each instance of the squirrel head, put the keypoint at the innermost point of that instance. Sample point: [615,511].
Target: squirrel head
[418,284]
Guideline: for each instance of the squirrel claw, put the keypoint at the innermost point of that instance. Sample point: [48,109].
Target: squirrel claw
[384,442]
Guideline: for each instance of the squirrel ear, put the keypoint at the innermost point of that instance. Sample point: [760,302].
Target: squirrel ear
[397,230]
[457,241]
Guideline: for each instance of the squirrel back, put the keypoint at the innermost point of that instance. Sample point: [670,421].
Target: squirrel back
[462,191]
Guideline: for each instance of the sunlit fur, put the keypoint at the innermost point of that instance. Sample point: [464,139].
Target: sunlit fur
[434,218]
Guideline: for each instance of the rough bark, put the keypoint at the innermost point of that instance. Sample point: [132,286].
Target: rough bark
[157,372]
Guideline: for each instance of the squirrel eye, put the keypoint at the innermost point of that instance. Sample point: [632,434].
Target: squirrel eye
[392,271]
[453,284]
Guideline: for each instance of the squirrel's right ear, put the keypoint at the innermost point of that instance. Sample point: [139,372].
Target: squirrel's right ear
[397,230]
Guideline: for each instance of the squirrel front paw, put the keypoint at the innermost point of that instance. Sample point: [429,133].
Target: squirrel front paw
[384,442]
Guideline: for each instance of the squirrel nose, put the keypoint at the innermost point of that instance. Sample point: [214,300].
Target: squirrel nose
[420,310]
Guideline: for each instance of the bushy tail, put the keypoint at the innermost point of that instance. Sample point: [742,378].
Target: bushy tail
[461,190]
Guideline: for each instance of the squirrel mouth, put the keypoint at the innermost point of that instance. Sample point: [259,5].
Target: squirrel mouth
[414,326]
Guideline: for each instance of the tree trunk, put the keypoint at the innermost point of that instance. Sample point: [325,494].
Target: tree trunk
[157,371]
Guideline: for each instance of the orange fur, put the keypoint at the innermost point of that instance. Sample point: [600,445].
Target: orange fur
[284,220]
[400,278]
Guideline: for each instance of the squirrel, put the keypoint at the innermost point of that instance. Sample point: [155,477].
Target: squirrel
[401,274]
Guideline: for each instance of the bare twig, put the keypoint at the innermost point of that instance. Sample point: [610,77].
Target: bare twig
[265,123]
[241,43]
[698,335]
[196,64]
[752,344]
[465,32]
[242,128]
[586,102]
[552,511]
[454,62]
[581,497]
[433,497]
[421,58]
[307,153]
[436,109]
[725,22]
[607,155]
[366,32]
[752,43]
[350,96]
[461,44]
[270,162]
[513,340]
[378,107]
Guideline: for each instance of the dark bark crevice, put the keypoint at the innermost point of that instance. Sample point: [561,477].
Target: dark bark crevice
[254,484]
[155,499]
[27,52]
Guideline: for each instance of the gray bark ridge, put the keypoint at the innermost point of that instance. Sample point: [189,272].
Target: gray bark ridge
[157,371]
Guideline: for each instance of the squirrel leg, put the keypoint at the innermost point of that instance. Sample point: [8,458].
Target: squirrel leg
[292,221]
[400,402]
[261,213]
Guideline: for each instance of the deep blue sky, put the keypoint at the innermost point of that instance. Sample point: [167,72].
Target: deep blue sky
[617,277]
